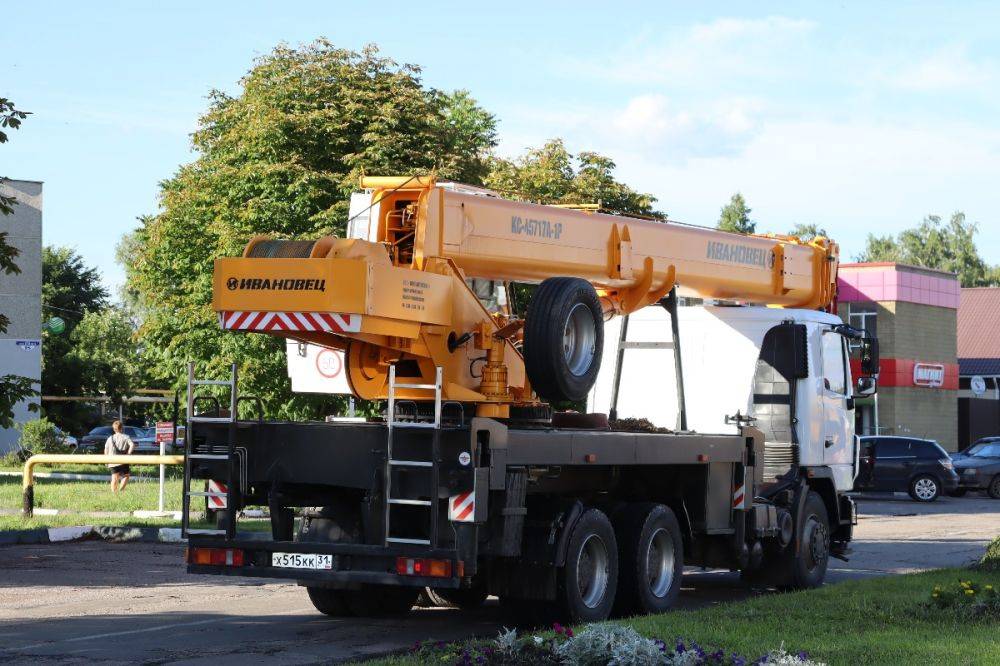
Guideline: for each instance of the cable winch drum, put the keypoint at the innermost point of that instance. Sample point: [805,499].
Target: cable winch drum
[280,249]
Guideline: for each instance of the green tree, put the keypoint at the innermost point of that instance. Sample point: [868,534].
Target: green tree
[70,289]
[282,157]
[807,230]
[934,243]
[13,388]
[553,175]
[735,216]
[104,343]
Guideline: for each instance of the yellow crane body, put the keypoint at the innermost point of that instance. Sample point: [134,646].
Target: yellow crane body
[398,294]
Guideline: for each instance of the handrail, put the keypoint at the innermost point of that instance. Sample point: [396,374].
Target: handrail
[28,477]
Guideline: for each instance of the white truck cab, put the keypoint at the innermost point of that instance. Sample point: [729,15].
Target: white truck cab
[745,360]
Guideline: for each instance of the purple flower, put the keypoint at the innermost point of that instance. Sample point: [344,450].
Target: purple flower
[569,633]
[737,660]
[803,656]
[557,627]
[680,647]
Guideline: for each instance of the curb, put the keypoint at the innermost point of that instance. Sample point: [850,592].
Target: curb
[85,532]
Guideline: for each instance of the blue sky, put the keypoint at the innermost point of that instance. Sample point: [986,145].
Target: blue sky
[861,117]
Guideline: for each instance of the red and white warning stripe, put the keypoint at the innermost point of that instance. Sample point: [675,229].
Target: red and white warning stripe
[216,487]
[739,497]
[329,322]
[462,507]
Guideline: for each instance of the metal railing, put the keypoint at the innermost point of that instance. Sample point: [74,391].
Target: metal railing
[28,478]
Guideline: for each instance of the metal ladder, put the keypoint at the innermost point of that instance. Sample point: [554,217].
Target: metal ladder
[428,465]
[190,455]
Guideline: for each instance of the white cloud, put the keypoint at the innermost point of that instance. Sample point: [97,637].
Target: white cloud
[947,68]
[725,50]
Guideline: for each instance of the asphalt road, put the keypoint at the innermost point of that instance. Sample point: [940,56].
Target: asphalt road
[133,603]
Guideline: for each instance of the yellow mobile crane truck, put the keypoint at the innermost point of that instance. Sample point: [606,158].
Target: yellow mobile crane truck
[471,484]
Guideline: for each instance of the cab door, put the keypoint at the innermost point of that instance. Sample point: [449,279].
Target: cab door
[838,419]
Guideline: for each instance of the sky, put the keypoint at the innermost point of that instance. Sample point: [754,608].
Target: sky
[859,117]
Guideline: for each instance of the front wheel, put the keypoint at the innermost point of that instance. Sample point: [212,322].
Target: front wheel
[994,488]
[924,488]
[588,581]
[809,564]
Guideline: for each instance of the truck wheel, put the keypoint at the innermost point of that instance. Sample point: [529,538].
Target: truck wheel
[465,598]
[809,565]
[924,488]
[329,602]
[587,583]
[994,488]
[380,600]
[563,339]
[651,559]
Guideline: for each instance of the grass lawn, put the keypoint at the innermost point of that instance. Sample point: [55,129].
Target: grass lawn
[92,495]
[875,621]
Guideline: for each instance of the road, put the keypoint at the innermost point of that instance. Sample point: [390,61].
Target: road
[133,603]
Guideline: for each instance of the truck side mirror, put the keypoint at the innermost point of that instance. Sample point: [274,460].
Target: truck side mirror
[869,356]
[864,387]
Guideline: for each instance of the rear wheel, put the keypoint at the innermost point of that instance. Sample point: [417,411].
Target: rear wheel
[563,339]
[380,600]
[328,602]
[651,559]
[924,488]
[589,579]
[994,488]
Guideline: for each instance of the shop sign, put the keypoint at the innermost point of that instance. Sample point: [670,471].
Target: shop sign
[978,385]
[930,375]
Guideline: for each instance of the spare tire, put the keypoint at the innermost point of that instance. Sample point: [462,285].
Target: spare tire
[563,339]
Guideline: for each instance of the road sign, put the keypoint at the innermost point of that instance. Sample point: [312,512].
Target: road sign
[164,432]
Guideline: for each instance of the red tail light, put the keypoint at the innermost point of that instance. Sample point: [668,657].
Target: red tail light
[422,566]
[225,557]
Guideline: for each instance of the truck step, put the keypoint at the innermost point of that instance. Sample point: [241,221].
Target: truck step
[409,502]
[419,542]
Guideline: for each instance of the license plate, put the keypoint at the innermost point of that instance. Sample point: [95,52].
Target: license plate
[302,561]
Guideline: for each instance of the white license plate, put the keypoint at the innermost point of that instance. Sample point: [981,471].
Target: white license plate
[302,561]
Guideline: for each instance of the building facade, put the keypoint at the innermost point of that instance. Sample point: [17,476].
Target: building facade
[21,296]
[978,365]
[913,312]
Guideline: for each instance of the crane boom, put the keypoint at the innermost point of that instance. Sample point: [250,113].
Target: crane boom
[396,293]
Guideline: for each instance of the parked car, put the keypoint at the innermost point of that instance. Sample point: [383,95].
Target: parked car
[978,468]
[67,440]
[144,438]
[920,467]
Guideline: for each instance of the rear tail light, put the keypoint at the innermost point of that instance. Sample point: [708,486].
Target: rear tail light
[225,557]
[422,566]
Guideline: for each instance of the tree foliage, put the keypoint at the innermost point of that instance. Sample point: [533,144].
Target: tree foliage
[70,290]
[282,157]
[551,174]
[735,216]
[104,344]
[13,388]
[934,243]
[807,230]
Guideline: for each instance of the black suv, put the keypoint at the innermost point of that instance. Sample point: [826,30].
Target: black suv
[917,466]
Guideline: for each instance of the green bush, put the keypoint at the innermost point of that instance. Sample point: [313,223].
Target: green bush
[40,437]
[991,559]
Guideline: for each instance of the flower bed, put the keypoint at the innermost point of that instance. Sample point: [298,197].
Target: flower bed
[596,645]
[968,599]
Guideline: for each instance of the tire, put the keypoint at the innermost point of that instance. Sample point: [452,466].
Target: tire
[563,339]
[650,559]
[587,583]
[380,600]
[925,488]
[802,564]
[464,599]
[958,492]
[328,602]
[993,490]
[341,523]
